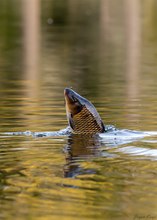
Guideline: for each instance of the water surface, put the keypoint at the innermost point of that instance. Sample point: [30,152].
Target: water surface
[106,51]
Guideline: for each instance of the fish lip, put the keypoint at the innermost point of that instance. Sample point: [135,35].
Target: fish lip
[68,94]
[67,91]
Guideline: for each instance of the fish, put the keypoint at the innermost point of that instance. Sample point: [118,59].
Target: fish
[82,116]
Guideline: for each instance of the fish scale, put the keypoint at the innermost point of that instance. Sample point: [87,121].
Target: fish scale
[85,122]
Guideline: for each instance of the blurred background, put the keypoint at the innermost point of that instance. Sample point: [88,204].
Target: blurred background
[105,50]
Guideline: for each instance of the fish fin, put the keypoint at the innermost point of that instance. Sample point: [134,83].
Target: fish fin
[71,122]
[103,126]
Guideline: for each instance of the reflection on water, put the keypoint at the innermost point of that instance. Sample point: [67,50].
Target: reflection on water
[105,50]
[80,148]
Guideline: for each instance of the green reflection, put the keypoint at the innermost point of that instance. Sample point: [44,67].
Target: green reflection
[105,50]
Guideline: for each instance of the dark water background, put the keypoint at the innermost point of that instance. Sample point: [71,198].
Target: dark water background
[107,51]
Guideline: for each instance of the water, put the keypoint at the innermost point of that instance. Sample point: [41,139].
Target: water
[106,51]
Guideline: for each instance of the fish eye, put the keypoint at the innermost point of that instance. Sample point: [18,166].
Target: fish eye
[74,99]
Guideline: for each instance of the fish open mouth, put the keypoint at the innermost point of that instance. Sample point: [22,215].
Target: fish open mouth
[81,114]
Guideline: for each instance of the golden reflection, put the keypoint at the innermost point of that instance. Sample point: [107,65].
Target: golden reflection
[133,40]
[31,33]
[80,148]
[39,181]
[31,56]
[133,54]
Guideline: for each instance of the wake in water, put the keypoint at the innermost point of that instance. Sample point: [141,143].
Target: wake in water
[111,133]
[118,138]
[111,139]
[63,132]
